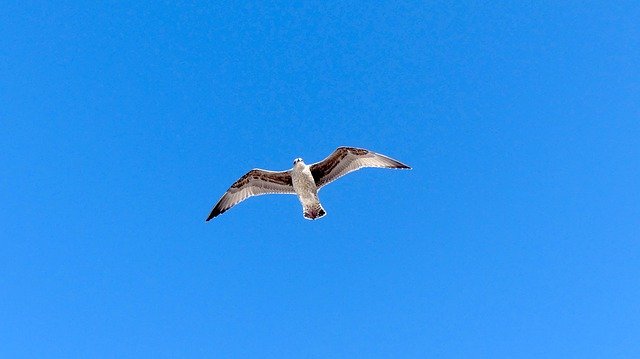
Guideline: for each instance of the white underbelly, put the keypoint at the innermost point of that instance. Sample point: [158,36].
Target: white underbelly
[305,186]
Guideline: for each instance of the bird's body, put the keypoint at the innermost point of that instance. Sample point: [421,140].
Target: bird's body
[307,191]
[303,180]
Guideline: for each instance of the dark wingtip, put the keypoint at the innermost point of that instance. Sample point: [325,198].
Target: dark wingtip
[396,164]
[402,166]
[213,213]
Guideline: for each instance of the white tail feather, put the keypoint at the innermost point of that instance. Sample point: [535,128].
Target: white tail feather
[313,211]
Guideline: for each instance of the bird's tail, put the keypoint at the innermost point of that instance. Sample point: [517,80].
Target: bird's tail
[313,211]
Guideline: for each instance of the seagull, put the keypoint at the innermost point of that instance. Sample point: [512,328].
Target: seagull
[303,180]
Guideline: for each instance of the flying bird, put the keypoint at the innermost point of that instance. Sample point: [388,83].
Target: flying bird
[303,180]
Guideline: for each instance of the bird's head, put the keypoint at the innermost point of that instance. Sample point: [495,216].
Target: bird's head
[297,161]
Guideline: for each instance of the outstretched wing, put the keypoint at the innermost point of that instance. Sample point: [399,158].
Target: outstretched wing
[348,159]
[254,183]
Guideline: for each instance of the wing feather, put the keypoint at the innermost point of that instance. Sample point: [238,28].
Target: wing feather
[348,159]
[254,183]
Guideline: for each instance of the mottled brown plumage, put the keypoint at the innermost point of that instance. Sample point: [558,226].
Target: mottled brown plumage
[348,159]
[281,178]
[253,183]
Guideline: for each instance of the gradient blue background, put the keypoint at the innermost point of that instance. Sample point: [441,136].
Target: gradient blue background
[517,234]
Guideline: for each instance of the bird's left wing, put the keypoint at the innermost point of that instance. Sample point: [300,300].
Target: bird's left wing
[348,159]
[253,183]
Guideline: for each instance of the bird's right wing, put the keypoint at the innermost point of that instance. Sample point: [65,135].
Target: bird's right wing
[255,182]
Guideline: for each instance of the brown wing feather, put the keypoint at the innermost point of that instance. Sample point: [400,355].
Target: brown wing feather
[253,183]
[348,159]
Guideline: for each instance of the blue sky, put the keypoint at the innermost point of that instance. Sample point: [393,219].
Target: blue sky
[516,234]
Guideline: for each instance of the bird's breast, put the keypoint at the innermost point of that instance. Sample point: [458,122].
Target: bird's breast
[303,182]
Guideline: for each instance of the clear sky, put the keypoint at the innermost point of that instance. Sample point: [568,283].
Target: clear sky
[516,234]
